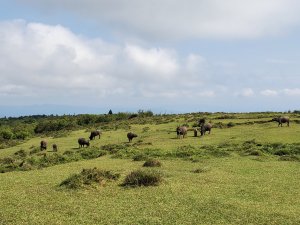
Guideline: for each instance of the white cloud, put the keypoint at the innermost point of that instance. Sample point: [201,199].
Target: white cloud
[156,61]
[50,63]
[248,92]
[185,18]
[292,92]
[280,61]
[269,92]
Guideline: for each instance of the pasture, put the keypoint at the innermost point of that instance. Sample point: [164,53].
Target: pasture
[247,171]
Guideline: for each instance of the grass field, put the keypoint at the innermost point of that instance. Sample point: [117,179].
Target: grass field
[246,174]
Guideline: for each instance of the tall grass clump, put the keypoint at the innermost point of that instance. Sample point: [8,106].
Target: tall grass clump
[139,178]
[152,163]
[89,177]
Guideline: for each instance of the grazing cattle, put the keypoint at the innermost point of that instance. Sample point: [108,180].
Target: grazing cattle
[54,147]
[204,128]
[130,136]
[181,131]
[201,122]
[82,142]
[43,145]
[195,132]
[281,120]
[95,133]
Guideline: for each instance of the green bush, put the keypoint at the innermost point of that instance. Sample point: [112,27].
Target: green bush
[140,157]
[89,177]
[21,153]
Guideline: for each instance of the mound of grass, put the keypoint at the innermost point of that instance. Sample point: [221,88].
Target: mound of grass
[143,178]
[289,158]
[254,152]
[140,157]
[21,153]
[89,177]
[92,153]
[114,148]
[152,163]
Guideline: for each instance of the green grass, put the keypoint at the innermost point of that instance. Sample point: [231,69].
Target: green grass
[231,176]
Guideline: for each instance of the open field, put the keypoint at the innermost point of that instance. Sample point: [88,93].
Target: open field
[245,173]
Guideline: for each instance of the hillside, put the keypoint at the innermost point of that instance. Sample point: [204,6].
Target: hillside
[245,171]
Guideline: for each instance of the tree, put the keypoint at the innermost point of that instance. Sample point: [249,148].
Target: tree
[110,112]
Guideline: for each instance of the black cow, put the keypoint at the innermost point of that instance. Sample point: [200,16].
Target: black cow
[130,136]
[43,145]
[82,142]
[281,120]
[95,133]
[54,147]
[201,122]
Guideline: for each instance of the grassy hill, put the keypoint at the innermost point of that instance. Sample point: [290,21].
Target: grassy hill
[245,172]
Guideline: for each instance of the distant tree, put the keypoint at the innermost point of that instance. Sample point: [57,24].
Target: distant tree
[110,112]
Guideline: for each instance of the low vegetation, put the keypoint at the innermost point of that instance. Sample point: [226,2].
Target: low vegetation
[143,178]
[89,177]
[245,172]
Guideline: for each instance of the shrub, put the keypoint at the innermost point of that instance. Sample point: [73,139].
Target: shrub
[143,178]
[289,158]
[230,124]
[92,153]
[89,177]
[113,148]
[255,152]
[34,150]
[6,134]
[21,153]
[140,157]
[152,163]
[73,182]
[281,152]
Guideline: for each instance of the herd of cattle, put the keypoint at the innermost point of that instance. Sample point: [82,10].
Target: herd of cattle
[180,130]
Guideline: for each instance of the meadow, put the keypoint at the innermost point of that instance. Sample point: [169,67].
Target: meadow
[246,171]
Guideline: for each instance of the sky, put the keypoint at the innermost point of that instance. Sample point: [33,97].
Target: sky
[168,56]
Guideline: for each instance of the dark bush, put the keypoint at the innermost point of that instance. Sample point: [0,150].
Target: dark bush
[143,178]
[281,152]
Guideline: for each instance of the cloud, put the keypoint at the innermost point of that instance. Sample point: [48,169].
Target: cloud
[269,92]
[156,61]
[51,64]
[247,92]
[183,19]
[291,92]
[280,61]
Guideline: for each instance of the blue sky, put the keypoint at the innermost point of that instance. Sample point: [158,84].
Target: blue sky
[66,56]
